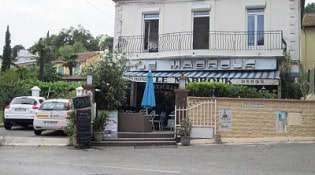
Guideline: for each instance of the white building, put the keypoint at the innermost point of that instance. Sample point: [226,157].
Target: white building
[230,41]
[25,58]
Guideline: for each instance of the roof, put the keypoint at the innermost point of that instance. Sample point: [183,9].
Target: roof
[309,20]
[74,78]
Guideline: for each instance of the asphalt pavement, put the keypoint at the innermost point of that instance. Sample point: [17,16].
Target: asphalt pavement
[248,159]
[24,153]
[19,135]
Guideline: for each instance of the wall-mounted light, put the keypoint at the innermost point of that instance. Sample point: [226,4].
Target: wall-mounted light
[89,78]
[263,91]
[182,81]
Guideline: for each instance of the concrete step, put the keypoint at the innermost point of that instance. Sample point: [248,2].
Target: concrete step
[165,134]
[134,143]
[159,138]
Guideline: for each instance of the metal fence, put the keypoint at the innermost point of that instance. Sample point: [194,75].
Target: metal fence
[202,114]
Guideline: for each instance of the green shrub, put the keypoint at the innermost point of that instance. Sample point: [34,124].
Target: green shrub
[206,89]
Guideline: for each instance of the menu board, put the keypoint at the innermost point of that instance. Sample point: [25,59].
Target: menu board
[81,102]
[83,123]
[111,127]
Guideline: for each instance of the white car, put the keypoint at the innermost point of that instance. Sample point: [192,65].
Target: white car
[21,111]
[52,115]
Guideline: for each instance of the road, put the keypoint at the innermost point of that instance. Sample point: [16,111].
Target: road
[20,131]
[260,159]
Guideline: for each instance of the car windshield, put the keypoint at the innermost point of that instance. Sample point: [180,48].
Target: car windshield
[59,106]
[28,101]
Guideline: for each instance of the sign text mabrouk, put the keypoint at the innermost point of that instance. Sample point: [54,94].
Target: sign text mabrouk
[175,80]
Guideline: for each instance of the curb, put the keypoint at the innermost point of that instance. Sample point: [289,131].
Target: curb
[32,141]
[244,141]
[268,140]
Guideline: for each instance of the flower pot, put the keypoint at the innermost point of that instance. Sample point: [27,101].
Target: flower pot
[185,140]
[98,136]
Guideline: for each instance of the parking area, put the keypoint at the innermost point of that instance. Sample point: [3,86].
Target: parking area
[19,131]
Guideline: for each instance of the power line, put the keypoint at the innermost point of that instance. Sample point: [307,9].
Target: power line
[91,4]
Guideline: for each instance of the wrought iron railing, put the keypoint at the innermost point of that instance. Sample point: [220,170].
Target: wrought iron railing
[266,40]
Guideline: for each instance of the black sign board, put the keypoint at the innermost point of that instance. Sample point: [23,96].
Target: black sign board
[81,102]
[83,124]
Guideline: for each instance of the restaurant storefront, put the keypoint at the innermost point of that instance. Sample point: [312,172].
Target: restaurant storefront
[165,82]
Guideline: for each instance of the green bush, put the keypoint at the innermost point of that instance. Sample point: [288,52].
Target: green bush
[206,89]
[18,82]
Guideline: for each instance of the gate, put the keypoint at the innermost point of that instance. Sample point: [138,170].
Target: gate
[202,116]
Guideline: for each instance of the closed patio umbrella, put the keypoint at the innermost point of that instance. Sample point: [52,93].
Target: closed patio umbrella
[148,99]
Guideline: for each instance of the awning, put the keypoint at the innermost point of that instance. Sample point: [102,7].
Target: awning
[253,77]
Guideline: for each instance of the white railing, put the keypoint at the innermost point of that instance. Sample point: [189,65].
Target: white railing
[202,114]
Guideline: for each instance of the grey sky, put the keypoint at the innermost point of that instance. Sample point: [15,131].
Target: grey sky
[31,19]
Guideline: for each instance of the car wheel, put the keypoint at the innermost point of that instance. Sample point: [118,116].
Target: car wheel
[38,132]
[7,125]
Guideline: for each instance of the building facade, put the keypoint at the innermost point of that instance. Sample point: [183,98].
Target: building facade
[308,49]
[84,59]
[25,58]
[230,41]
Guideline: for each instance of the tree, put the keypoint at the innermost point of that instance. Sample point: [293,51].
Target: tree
[107,43]
[6,63]
[69,57]
[289,88]
[70,62]
[310,8]
[109,79]
[16,49]
[40,49]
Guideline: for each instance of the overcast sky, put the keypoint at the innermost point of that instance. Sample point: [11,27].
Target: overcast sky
[31,19]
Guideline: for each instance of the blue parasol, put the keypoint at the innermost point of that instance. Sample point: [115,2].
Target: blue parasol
[148,99]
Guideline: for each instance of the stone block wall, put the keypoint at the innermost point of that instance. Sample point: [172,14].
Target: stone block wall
[261,118]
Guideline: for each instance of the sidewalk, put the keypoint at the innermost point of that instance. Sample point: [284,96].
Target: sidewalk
[32,141]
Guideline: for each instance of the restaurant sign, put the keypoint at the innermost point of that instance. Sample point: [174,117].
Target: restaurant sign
[173,80]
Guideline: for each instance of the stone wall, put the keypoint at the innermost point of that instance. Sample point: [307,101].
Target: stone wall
[262,118]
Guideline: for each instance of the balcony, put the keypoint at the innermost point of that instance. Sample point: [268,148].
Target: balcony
[223,43]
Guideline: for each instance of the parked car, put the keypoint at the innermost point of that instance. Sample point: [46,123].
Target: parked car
[52,115]
[21,111]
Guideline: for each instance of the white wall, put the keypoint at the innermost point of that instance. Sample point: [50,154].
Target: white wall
[225,15]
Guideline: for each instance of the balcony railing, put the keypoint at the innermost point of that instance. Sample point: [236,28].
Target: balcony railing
[266,40]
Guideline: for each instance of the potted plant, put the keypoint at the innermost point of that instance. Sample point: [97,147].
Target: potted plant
[99,123]
[184,131]
[71,129]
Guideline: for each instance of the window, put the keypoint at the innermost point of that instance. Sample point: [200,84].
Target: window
[151,32]
[76,70]
[60,69]
[255,27]
[201,30]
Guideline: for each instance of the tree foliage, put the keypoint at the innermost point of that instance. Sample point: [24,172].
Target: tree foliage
[79,38]
[310,8]
[42,49]
[107,43]
[109,79]
[6,63]
[16,49]
[19,81]
[289,88]
[208,89]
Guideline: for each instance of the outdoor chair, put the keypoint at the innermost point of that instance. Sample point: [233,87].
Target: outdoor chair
[154,120]
[143,111]
[170,124]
